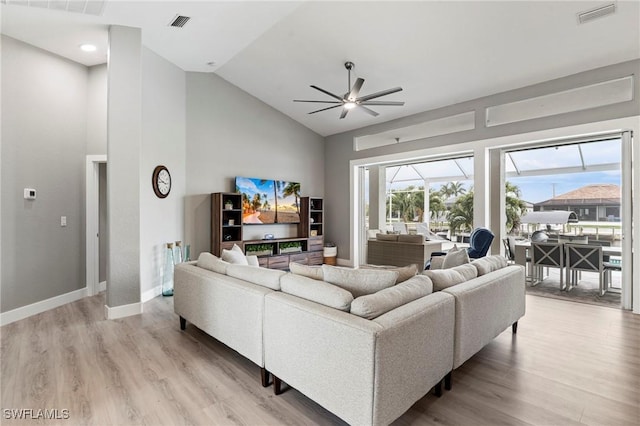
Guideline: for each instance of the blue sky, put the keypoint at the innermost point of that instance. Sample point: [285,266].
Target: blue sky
[540,188]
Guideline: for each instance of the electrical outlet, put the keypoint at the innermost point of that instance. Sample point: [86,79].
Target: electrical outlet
[63,221]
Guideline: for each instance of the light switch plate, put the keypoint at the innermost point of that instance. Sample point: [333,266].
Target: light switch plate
[63,221]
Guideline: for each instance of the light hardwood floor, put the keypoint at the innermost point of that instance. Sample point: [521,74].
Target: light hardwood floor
[569,364]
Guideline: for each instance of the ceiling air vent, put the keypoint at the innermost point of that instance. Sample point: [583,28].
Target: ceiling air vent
[598,12]
[179,21]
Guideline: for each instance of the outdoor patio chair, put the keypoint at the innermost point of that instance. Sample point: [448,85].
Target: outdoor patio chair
[399,227]
[584,258]
[547,255]
[479,243]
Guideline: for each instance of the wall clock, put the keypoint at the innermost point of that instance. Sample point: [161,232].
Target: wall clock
[161,181]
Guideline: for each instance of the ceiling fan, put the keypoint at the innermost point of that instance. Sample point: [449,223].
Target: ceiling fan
[350,100]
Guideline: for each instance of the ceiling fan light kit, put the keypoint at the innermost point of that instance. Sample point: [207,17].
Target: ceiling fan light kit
[351,100]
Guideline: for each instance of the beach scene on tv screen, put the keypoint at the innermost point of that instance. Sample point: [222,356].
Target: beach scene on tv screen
[267,201]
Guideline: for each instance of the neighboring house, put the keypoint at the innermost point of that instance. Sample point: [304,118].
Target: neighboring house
[596,202]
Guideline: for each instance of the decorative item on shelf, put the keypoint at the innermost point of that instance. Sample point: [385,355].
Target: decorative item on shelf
[313,233]
[228,205]
[232,222]
[187,253]
[177,253]
[259,249]
[268,237]
[227,237]
[311,220]
[291,247]
[167,273]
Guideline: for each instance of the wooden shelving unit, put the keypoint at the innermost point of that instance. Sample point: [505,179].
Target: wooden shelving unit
[226,230]
[226,221]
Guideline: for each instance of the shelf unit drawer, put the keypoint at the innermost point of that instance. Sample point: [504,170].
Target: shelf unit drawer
[279,262]
[316,258]
[316,244]
[299,258]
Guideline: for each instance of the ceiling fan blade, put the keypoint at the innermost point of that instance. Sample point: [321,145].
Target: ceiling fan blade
[368,111]
[378,94]
[327,93]
[319,102]
[355,89]
[344,112]
[385,103]
[324,109]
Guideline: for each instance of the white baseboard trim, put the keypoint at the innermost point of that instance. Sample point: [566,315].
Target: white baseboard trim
[344,262]
[44,305]
[150,294]
[102,286]
[122,311]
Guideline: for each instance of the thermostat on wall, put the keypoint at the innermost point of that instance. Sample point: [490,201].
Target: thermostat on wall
[29,194]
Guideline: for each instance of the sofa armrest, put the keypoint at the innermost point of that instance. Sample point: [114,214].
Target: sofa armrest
[364,371]
[485,307]
[211,301]
[414,351]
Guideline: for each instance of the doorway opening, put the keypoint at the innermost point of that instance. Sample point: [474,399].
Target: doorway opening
[96,223]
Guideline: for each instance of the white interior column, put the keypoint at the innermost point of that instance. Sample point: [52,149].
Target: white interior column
[426,215]
[377,195]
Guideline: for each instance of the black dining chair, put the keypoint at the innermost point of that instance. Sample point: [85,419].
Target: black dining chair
[584,258]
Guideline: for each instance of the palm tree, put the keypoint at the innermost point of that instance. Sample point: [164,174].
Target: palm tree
[461,213]
[293,188]
[514,206]
[256,202]
[436,204]
[452,189]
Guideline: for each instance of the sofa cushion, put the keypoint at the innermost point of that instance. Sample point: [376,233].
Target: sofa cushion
[404,272]
[387,237]
[316,291]
[443,278]
[208,261]
[314,272]
[234,256]
[411,238]
[371,306]
[454,257]
[359,281]
[488,264]
[261,276]
[468,271]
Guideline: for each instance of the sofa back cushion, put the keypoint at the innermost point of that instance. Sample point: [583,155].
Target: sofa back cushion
[261,276]
[316,291]
[359,281]
[212,263]
[443,278]
[371,306]
[308,271]
[488,264]
[404,272]
[411,238]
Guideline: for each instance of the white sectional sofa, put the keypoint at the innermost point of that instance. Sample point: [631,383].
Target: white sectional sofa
[366,359]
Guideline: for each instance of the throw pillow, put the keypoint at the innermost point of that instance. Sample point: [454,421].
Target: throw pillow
[359,281]
[314,272]
[404,272]
[454,257]
[252,260]
[373,305]
[261,276]
[443,278]
[316,291]
[212,263]
[234,256]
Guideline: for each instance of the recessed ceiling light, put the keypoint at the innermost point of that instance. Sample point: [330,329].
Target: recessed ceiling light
[211,63]
[88,47]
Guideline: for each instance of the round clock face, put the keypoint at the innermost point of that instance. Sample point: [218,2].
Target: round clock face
[161,181]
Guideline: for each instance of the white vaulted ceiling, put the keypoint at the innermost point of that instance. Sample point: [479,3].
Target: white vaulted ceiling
[441,53]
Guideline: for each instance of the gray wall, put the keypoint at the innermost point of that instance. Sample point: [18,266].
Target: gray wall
[97,110]
[339,148]
[163,142]
[44,104]
[124,129]
[231,133]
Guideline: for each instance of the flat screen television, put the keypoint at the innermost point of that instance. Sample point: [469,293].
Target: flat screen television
[266,201]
